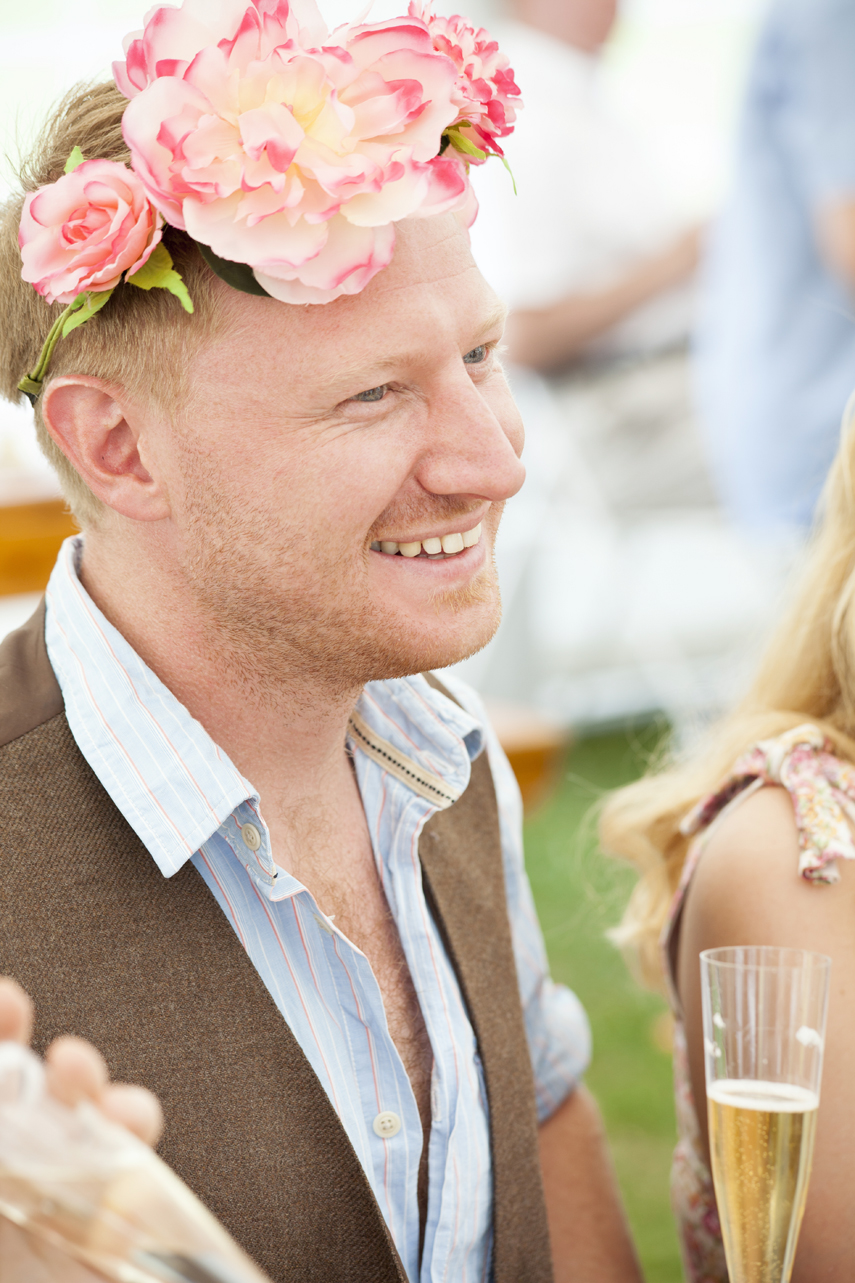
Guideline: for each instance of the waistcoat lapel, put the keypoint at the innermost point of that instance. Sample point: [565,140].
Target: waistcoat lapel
[461,858]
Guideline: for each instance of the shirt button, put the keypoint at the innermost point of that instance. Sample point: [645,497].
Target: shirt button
[387,1124]
[251,836]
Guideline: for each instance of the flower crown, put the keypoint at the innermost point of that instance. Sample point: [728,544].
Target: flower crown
[286,152]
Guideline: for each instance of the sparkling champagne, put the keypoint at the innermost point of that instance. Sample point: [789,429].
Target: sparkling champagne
[761,1141]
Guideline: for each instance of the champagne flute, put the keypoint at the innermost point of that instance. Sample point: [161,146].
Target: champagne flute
[764,1032]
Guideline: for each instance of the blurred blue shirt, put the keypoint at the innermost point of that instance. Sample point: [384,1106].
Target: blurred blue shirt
[776,338]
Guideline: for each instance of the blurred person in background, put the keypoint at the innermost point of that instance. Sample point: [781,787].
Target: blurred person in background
[776,341]
[589,254]
[595,257]
[750,839]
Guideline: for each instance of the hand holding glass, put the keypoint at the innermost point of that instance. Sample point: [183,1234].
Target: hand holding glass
[82,1200]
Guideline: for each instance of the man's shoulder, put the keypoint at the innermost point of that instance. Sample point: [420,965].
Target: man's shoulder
[29,692]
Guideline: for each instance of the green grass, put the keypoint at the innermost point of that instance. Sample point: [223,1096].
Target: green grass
[579,894]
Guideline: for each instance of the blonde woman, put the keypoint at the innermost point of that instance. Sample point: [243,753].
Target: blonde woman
[752,840]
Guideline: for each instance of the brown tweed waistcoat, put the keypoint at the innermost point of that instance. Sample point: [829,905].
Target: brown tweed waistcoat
[150,970]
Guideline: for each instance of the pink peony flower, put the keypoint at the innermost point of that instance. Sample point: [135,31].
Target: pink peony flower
[279,146]
[487,92]
[83,231]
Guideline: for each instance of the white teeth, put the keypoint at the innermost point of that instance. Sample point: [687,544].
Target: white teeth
[447,546]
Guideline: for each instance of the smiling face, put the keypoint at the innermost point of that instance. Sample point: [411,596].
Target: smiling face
[337,483]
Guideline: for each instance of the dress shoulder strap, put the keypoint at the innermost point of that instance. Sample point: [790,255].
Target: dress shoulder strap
[822,790]
[821,787]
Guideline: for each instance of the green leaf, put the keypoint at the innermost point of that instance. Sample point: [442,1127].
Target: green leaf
[238,275]
[461,143]
[76,158]
[84,307]
[157,273]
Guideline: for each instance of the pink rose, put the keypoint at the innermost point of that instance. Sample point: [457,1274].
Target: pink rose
[285,148]
[488,94]
[83,231]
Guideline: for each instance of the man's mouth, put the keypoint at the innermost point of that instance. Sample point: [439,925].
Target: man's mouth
[447,546]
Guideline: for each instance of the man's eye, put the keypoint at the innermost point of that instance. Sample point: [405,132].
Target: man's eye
[372,394]
[477,355]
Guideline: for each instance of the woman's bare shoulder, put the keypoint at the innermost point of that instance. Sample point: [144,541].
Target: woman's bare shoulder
[752,838]
[747,886]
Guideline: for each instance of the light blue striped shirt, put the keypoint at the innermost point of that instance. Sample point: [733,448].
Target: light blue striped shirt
[413,750]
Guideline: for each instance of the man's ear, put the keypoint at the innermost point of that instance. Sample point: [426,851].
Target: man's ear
[87,420]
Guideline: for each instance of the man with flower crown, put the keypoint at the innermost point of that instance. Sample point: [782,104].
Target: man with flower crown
[250,847]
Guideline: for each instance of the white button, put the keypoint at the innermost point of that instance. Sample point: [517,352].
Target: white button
[387,1124]
[251,836]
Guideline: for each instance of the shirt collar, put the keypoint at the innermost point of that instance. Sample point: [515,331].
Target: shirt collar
[166,775]
[168,778]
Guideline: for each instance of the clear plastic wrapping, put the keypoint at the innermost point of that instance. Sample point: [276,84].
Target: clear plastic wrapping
[82,1200]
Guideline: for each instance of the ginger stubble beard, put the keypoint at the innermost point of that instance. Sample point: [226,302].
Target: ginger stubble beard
[300,611]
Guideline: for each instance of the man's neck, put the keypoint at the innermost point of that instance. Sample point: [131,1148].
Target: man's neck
[285,732]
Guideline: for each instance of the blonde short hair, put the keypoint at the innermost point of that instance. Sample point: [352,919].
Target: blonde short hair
[143,340]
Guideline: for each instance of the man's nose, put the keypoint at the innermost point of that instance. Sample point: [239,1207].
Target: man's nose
[472,445]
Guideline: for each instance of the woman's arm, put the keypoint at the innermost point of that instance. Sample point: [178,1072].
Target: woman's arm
[746,890]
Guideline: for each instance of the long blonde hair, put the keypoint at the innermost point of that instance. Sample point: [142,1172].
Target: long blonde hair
[807,674]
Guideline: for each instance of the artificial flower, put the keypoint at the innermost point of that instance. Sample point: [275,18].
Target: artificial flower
[83,232]
[487,93]
[284,148]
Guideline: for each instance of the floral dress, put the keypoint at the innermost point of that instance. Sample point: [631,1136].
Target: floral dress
[822,790]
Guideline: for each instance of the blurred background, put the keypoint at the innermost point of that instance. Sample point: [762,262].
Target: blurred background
[650,288]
